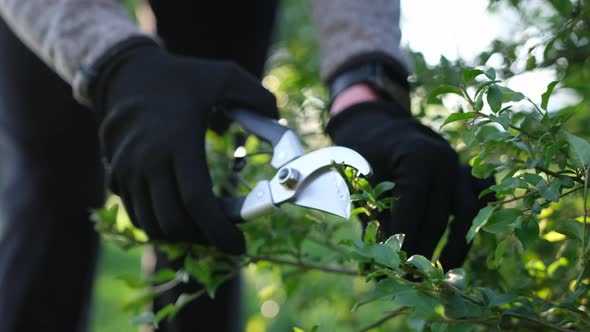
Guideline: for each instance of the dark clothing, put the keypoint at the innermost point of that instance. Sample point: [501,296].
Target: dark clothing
[52,175]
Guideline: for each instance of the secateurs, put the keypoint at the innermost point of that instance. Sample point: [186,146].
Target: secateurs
[306,180]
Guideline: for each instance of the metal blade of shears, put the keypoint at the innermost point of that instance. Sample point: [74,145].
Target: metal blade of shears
[325,191]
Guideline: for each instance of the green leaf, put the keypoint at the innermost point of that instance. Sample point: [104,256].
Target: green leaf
[492,299]
[486,294]
[531,63]
[395,241]
[443,89]
[563,115]
[479,103]
[383,288]
[507,186]
[439,327]
[416,321]
[456,277]
[485,192]
[480,220]
[168,311]
[164,275]
[138,302]
[145,318]
[457,307]
[509,94]
[413,298]
[488,134]
[548,48]
[532,178]
[502,220]
[502,299]
[359,210]
[133,281]
[198,269]
[503,120]
[579,151]
[371,230]
[528,232]
[383,187]
[571,228]
[549,192]
[385,203]
[545,96]
[458,117]
[217,280]
[378,252]
[572,297]
[469,74]
[360,197]
[383,254]
[468,136]
[552,268]
[483,87]
[172,251]
[106,215]
[481,169]
[566,181]
[494,98]
[422,264]
[490,73]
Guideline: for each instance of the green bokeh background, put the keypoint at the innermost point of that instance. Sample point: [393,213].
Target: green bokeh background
[326,299]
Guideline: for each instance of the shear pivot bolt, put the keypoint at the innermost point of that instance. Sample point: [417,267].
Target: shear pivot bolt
[288,177]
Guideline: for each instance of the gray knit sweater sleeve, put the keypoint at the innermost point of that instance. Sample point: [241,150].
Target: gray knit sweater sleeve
[349,29]
[67,34]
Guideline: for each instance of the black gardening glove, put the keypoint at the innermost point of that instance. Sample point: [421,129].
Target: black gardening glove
[430,183]
[156,108]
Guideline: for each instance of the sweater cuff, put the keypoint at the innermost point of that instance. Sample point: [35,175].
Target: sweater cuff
[394,69]
[90,69]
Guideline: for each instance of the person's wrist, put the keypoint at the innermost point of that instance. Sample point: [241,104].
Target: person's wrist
[355,94]
[107,68]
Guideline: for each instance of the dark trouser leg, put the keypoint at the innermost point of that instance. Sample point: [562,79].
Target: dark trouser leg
[223,314]
[51,177]
[237,31]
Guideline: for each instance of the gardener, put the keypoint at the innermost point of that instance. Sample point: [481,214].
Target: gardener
[150,101]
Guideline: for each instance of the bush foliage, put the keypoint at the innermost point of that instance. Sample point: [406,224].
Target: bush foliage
[529,266]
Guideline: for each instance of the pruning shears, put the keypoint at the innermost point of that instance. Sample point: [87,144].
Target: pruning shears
[303,179]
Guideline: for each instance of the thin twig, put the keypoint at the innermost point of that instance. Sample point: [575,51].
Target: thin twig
[538,322]
[482,321]
[203,290]
[536,107]
[327,244]
[384,319]
[560,197]
[463,294]
[514,199]
[304,265]
[547,171]
[585,233]
[159,289]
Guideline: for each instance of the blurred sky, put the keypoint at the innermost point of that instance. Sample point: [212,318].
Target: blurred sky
[464,28]
[455,28]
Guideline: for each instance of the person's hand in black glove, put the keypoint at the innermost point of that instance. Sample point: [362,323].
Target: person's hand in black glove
[155,109]
[430,182]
